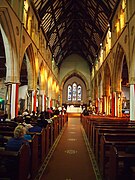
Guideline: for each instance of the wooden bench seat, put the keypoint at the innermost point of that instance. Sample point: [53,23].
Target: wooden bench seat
[89,123]
[41,145]
[34,165]
[55,128]
[19,161]
[47,145]
[108,122]
[119,156]
[111,129]
[106,141]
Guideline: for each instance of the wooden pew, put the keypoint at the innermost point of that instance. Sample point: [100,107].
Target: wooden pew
[47,145]
[108,129]
[50,135]
[41,145]
[85,122]
[60,122]
[110,125]
[55,128]
[21,166]
[106,141]
[34,150]
[9,123]
[34,156]
[118,155]
[90,122]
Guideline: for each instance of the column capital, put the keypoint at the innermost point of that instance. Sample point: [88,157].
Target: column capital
[132,80]
[42,92]
[30,90]
[118,92]
[11,82]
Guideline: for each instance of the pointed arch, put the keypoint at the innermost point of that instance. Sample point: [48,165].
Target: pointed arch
[106,80]
[69,92]
[8,35]
[132,66]
[41,75]
[29,59]
[81,93]
[117,69]
[74,72]
[74,91]
[100,85]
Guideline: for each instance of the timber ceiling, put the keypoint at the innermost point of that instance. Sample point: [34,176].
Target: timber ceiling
[75,26]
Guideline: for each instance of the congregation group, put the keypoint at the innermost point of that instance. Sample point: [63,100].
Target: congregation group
[23,125]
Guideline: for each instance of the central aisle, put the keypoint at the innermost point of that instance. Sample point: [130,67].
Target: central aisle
[70,159]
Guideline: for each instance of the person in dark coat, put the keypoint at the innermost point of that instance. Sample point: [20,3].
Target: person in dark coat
[16,142]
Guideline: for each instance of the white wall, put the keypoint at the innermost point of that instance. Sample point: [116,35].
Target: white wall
[74,63]
[125,92]
[22,92]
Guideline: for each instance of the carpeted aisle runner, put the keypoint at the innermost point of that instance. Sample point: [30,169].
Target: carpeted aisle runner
[69,159]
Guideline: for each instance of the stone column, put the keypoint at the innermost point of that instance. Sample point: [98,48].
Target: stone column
[8,99]
[16,99]
[118,104]
[51,102]
[45,102]
[100,105]
[34,100]
[30,100]
[11,103]
[132,102]
[113,104]
[42,101]
[104,104]
[107,105]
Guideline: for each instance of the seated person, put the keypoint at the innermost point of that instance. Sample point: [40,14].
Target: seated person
[47,115]
[42,122]
[56,112]
[85,112]
[50,111]
[35,128]
[16,142]
[33,116]
[25,113]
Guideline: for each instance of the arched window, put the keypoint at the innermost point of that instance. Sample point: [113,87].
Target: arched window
[69,93]
[74,92]
[79,93]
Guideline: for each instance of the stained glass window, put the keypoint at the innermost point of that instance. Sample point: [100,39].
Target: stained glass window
[69,93]
[74,92]
[79,93]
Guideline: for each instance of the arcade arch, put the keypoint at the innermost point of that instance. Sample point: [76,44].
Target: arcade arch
[120,72]
[100,93]
[11,66]
[71,78]
[132,82]
[27,81]
[106,89]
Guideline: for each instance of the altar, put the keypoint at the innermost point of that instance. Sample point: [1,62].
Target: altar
[72,109]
